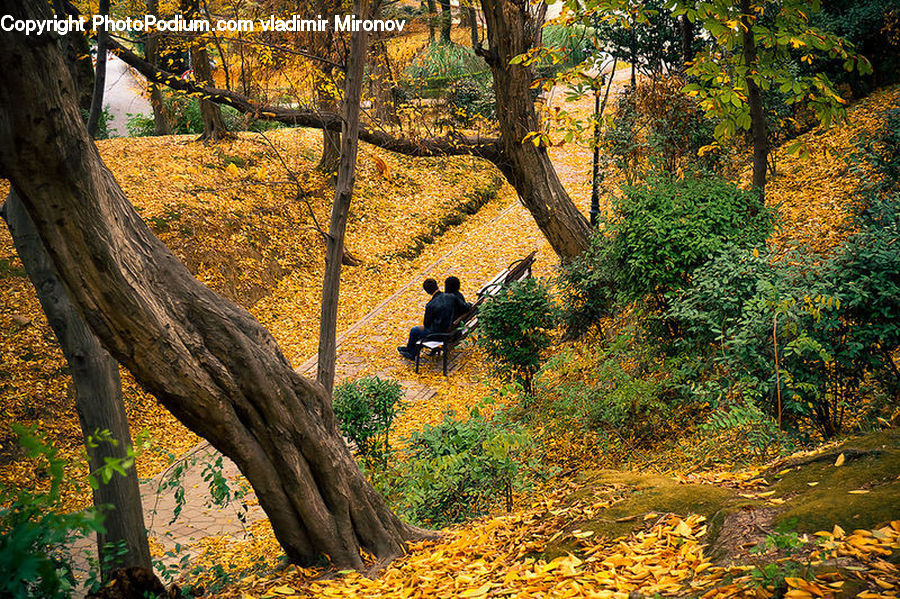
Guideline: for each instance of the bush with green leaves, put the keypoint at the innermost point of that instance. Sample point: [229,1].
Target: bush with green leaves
[827,323]
[438,64]
[35,533]
[457,469]
[140,125]
[365,409]
[514,328]
[666,228]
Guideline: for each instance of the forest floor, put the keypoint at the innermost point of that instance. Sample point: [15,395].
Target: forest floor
[243,224]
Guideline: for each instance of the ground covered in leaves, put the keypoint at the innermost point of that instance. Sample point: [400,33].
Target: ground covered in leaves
[243,214]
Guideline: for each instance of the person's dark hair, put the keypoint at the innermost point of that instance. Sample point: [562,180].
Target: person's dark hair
[430,286]
[451,284]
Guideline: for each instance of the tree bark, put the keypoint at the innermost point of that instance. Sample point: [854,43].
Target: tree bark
[207,360]
[214,128]
[446,21]
[513,27]
[758,126]
[343,192]
[99,75]
[161,124]
[98,396]
[686,28]
[432,12]
[77,50]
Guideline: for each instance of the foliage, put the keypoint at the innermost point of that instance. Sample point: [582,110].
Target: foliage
[365,409]
[782,35]
[643,34]
[587,283]
[665,229]
[439,64]
[34,559]
[659,126]
[457,469]
[513,328]
[620,387]
[796,337]
[140,125]
[471,97]
[872,26]
[103,122]
[563,47]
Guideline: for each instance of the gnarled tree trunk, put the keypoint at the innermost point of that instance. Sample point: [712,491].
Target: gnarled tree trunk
[207,360]
[513,27]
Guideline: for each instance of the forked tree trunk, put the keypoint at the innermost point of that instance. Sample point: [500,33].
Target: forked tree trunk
[343,192]
[513,27]
[98,398]
[207,360]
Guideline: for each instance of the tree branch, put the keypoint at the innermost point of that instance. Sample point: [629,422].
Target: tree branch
[448,145]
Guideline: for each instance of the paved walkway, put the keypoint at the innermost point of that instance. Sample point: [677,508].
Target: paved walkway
[122,97]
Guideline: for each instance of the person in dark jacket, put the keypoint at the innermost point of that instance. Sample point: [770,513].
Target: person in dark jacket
[451,286]
[439,316]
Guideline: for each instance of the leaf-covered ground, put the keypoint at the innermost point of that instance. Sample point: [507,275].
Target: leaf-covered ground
[230,213]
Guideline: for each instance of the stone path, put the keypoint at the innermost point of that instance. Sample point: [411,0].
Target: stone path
[122,96]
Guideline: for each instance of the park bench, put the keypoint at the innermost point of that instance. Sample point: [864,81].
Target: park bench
[442,343]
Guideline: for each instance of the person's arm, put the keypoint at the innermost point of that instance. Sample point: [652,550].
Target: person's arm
[429,315]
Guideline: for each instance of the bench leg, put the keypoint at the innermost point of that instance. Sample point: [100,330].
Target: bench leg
[445,351]
[418,355]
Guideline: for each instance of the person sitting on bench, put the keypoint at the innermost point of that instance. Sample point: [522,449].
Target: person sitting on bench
[438,317]
[451,286]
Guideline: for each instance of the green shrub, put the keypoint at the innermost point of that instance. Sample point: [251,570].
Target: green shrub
[140,125]
[365,409]
[457,469]
[35,534]
[470,98]
[514,329]
[440,63]
[587,283]
[103,122]
[665,229]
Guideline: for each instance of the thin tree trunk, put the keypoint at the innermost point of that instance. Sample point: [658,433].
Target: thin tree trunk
[161,124]
[214,128]
[98,397]
[331,139]
[206,359]
[446,21]
[432,12]
[686,27]
[512,29]
[758,126]
[343,192]
[99,76]
[473,24]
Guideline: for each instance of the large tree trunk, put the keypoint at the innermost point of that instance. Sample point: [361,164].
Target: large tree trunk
[207,360]
[98,397]
[99,75]
[343,192]
[758,126]
[513,27]
[77,50]
[161,124]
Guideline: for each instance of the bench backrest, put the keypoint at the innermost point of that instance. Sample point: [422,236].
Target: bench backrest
[517,271]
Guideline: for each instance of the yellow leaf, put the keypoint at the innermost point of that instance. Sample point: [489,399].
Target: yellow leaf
[682,529]
[582,534]
[479,592]
[232,170]
[840,460]
[813,484]
[838,532]
[858,491]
